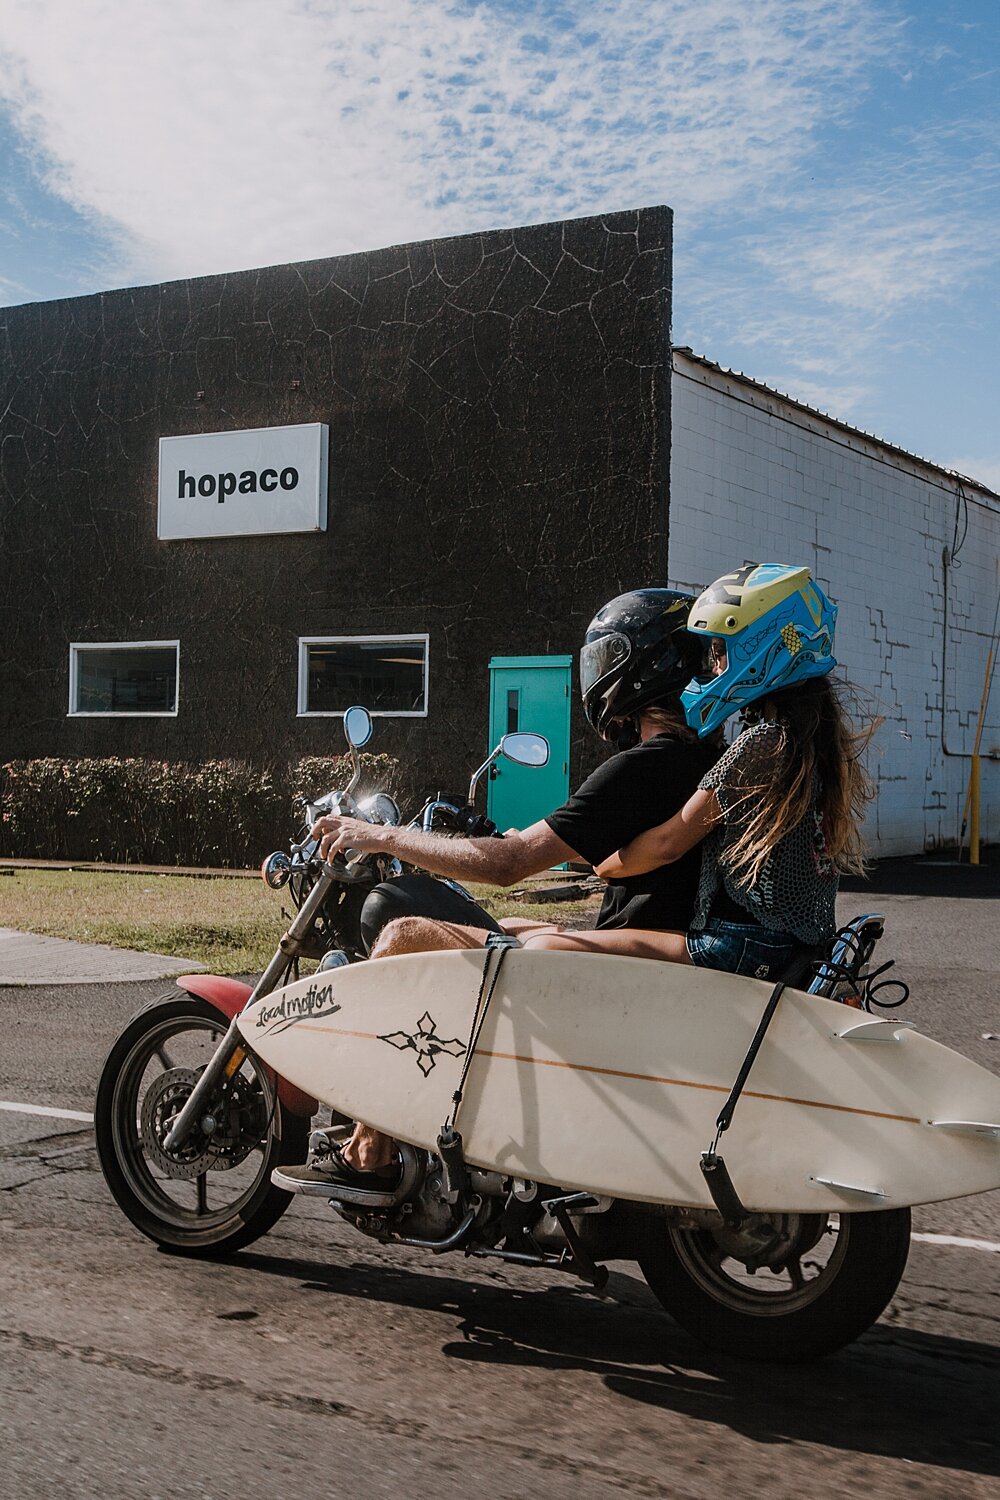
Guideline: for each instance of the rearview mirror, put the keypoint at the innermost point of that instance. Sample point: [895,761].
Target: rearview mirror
[358,726]
[526,749]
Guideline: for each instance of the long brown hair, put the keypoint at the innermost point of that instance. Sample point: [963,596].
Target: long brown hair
[818,762]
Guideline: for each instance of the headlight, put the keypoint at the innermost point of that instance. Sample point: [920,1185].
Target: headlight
[276,869]
[380,808]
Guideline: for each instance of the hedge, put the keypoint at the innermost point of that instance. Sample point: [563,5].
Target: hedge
[134,811]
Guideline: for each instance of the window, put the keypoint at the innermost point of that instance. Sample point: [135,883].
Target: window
[124,678]
[386,674]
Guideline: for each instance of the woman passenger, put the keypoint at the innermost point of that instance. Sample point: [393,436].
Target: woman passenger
[779,814]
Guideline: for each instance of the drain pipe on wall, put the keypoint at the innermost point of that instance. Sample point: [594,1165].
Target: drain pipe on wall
[971,807]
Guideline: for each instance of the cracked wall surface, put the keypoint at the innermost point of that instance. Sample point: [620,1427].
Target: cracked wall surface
[498,408]
[756,476]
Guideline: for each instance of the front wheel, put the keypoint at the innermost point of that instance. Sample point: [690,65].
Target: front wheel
[215,1195]
[783,1287]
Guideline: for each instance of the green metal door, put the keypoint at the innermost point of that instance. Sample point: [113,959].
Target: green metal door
[529,693]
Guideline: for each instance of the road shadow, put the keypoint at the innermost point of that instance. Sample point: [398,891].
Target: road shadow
[896,1393]
[930,875]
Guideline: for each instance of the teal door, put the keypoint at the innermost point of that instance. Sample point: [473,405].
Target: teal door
[529,693]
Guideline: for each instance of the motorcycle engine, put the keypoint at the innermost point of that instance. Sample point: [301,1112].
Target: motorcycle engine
[430,1216]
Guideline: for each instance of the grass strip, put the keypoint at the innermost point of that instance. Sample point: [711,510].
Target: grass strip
[230,925]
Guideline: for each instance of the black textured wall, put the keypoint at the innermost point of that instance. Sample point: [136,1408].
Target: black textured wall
[499,458]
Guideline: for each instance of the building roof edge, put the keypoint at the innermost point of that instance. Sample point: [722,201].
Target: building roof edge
[814,411]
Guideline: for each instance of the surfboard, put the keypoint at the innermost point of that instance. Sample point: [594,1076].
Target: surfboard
[607,1073]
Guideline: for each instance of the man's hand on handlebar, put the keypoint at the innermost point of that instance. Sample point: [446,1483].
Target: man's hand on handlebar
[337,835]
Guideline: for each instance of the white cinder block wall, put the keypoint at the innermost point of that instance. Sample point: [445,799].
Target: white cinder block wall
[756,476]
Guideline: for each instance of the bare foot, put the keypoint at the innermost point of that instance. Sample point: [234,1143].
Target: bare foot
[369,1150]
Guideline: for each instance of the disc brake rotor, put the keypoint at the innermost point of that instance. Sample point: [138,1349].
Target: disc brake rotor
[238,1122]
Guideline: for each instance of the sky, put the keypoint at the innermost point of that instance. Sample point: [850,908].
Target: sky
[832,164]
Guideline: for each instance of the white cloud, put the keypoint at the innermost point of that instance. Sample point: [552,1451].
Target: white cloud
[905,229]
[859,276]
[207,137]
[255,131]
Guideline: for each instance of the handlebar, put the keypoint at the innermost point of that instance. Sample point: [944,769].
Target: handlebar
[461,818]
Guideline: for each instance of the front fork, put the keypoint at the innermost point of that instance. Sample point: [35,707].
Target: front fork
[229,1054]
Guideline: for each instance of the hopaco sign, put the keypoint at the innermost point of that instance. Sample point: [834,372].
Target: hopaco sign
[252,483]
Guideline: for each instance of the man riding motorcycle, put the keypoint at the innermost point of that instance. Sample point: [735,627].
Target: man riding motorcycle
[636,658]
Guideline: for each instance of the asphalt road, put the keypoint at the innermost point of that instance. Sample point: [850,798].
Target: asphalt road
[322,1364]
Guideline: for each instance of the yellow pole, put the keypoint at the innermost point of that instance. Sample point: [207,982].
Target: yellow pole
[971,808]
[974,811]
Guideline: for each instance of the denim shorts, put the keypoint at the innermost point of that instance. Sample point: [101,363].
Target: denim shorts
[742,948]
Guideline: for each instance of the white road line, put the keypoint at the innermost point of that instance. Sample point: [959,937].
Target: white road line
[954,1239]
[47,1110]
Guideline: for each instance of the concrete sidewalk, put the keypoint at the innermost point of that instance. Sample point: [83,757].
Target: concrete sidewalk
[27,959]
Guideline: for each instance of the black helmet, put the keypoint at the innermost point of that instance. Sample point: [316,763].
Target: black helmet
[637,651]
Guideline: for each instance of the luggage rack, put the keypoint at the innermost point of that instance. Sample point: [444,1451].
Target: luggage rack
[852,947]
[844,974]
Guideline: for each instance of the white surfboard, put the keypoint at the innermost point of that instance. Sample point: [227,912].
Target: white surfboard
[607,1073]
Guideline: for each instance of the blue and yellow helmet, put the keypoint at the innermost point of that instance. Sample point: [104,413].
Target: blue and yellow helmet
[766,626]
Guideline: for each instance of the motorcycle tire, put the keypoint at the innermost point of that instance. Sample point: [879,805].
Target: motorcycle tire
[169,1201]
[780,1316]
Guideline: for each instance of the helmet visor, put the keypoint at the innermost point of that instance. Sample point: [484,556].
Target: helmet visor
[601,657]
[714,660]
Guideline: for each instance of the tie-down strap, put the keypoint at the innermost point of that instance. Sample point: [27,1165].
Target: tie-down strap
[498,945]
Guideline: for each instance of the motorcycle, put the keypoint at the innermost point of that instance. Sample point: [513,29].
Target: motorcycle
[194,1130]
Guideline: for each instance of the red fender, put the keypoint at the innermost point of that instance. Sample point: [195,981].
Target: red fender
[230,996]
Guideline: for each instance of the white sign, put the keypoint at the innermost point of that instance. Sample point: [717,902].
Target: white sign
[253,483]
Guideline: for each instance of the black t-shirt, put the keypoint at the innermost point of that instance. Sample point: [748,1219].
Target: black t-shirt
[631,792]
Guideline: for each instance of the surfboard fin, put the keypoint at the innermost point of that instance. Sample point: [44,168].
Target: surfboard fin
[848,1188]
[967,1127]
[874,1031]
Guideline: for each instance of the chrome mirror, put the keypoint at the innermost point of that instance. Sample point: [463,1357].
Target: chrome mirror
[526,749]
[522,749]
[358,726]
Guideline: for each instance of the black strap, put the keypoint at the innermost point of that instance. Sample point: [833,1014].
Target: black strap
[499,943]
[725,1115]
[713,1168]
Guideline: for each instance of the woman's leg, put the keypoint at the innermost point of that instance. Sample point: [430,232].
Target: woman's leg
[522,927]
[628,942]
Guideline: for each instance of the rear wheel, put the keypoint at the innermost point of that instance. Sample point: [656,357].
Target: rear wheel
[214,1195]
[785,1286]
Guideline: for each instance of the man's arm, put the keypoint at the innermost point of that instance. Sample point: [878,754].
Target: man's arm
[493,861]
